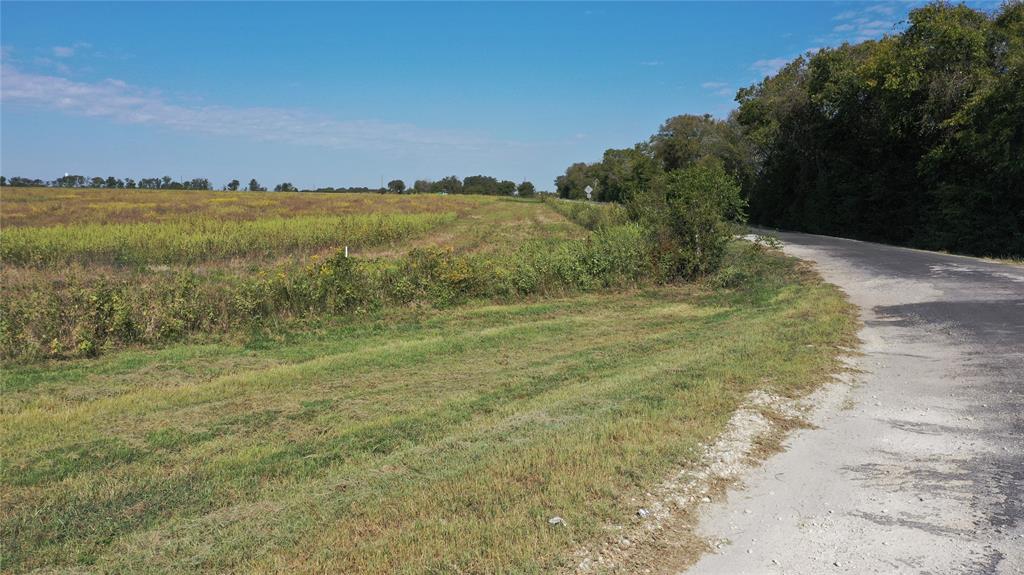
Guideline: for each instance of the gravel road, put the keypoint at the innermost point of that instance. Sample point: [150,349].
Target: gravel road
[918,466]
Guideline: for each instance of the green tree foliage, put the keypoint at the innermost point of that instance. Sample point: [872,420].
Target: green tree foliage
[688,213]
[254,186]
[448,185]
[526,190]
[233,185]
[396,187]
[915,139]
[480,185]
[577,177]
[421,187]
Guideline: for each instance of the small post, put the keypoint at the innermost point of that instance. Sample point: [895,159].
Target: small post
[346,251]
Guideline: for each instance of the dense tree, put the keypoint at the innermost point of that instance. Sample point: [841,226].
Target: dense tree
[526,190]
[254,186]
[285,187]
[573,183]
[505,188]
[3,181]
[448,185]
[396,186]
[233,185]
[422,186]
[913,139]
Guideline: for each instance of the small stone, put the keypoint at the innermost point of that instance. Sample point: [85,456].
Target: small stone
[747,511]
[837,564]
[643,512]
[706,499]
[556,521]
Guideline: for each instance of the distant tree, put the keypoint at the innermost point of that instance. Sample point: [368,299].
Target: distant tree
[505,188]
[3,181]
[448,185]
[96,182]
[20,182]
[254,186]
[573,183]
[526,190]
[285,187]
[233,185]
[422,186]
[199,184]
[129,183]
[111,182]
[480,185]
[396,186]
[624,172]
[165,182]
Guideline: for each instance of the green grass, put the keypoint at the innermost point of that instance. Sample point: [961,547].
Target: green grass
[407,441]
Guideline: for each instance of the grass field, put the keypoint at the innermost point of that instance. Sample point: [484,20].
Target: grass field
[407,438]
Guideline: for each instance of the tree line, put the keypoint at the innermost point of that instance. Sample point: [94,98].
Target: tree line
[482,185]
[915,139]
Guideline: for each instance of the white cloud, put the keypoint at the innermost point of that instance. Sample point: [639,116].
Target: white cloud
[652,63]
[719,88]
[769,66]
[867,23]
[881,9]
[121,102]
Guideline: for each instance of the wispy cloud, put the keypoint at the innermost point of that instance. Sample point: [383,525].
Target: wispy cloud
[769,66]
[121,102]
[652,63]
[719,88]
[868,23]
[69,51]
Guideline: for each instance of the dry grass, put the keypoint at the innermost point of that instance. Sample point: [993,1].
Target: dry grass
[32,207]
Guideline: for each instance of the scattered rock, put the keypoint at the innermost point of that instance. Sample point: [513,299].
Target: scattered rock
[706,499]
[643,512]
[556,521]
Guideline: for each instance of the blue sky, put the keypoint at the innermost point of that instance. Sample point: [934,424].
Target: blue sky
[328,94]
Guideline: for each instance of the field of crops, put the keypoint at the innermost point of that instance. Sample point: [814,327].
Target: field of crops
[221,390]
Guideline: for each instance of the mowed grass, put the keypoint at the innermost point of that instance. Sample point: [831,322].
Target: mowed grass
[407,442]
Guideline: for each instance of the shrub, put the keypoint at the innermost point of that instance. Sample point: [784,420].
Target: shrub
[688,214]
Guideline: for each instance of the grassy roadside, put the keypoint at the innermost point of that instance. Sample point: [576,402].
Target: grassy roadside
[409,442]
